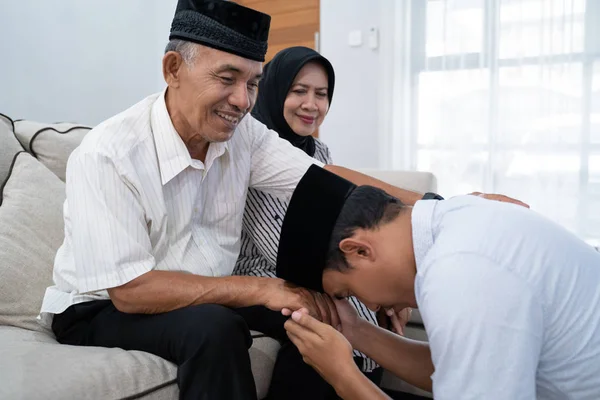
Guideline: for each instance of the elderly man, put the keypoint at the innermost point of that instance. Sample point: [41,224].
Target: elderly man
[155,198]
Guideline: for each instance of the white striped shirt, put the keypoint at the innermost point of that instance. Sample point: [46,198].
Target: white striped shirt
[262,222]
[137,201]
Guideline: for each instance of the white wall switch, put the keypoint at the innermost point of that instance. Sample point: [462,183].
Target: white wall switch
[355,38]
[373,38]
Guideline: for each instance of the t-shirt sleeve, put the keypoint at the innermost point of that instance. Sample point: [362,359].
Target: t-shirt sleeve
[111,244]
[485,329]
[276,165]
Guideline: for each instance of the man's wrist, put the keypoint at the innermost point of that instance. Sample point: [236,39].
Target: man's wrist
[354,332]
[262,286]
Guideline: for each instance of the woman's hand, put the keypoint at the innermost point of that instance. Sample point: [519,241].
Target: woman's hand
[322,347]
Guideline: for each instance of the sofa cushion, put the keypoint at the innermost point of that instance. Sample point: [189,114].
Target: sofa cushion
[51,143]
[263,354]
[34,366]
[31,230]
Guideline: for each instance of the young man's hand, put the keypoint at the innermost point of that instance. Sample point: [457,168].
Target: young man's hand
[399,319]
[349,318]
[322,347]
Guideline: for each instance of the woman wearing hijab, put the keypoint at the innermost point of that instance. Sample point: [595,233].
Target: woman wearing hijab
[294,96]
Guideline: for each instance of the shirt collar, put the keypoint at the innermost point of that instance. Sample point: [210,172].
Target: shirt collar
[173,155]
[422,230]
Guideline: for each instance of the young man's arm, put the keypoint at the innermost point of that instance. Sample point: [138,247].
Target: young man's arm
[357,386]
[408,359]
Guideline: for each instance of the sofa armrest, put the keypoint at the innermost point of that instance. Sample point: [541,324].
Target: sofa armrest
[418,181]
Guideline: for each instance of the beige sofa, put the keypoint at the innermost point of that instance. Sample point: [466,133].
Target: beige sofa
[32,364]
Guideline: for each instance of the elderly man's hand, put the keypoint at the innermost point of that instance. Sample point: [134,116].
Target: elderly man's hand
[286,297]
[501,198]
[322,347]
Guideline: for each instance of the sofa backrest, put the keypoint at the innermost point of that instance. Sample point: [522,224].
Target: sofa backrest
[9,147]
[50,143]
[31,230]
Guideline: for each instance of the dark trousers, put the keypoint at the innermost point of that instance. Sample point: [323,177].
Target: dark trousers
[209,344]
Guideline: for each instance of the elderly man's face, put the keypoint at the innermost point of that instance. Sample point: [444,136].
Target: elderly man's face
[213,94]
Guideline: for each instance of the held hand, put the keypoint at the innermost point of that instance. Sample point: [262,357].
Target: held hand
[329,313]
[286,297]
[327,310]
[501,198]
[322,347]
[280,295]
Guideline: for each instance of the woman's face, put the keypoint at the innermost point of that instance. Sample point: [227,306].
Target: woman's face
[307,103]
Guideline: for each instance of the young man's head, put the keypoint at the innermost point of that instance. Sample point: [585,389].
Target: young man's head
[371,253]
[348,241]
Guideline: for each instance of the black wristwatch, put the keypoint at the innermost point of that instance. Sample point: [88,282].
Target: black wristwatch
[432,196]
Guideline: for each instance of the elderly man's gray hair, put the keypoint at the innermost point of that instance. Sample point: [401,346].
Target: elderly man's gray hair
[187,50]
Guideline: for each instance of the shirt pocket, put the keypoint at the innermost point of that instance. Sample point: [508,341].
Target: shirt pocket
[224,219]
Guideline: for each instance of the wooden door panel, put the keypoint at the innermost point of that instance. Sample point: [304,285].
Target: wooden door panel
[294,19]
[293,23]
[277,48]
[279,7]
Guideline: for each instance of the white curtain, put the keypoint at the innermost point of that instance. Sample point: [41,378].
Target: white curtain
[503,96]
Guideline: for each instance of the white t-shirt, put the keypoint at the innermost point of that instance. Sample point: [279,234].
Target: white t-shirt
[510,302]
[137,201]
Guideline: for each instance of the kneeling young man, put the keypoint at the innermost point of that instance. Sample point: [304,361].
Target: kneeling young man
[510,301]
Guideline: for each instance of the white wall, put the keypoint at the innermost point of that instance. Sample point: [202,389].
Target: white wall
[84,61]
[80,61]
[357,128]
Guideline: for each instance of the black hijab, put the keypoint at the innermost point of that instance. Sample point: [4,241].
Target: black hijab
[278,76]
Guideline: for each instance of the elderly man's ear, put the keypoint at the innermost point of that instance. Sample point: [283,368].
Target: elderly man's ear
[171,68]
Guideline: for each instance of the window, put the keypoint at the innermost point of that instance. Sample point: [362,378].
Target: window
[506,99]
